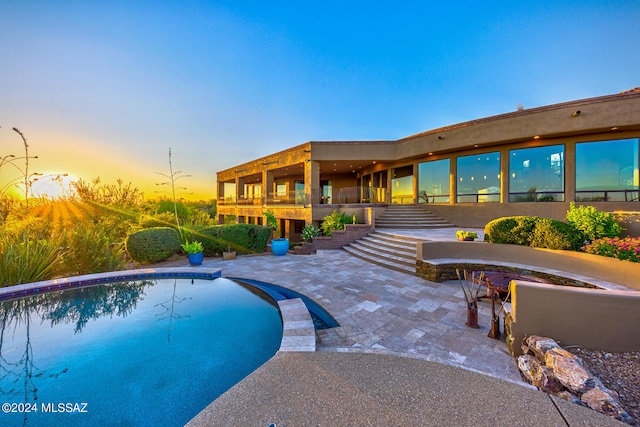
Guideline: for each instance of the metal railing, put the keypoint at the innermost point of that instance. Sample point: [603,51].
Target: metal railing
[608,196]
[537,196]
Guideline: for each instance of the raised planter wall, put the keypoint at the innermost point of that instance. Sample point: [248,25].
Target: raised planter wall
[340,238]
[596,319]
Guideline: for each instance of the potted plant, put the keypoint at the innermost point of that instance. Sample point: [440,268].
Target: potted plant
[279,245]
[195,252]
[466,236]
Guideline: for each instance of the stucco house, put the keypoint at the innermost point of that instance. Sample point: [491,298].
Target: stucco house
[528,162]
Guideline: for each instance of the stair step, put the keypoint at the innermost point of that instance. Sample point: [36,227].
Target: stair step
[381,261]
[395,253]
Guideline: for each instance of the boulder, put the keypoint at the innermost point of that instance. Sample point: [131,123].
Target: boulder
[569,371]
[540,345]
[602,401]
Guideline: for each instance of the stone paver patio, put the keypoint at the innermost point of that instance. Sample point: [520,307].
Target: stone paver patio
[382,310]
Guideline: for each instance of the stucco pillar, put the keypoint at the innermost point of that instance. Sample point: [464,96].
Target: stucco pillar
[239,188]
[312,182]
[453,181]
[570,172]
[504,175]
[267,190]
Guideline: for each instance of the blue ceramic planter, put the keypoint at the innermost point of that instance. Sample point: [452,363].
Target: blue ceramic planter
[280,246]
[196,259]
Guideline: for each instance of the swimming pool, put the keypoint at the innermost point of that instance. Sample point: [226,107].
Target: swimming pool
[145,352]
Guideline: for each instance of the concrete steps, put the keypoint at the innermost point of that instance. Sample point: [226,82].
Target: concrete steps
[387,250]
[410,216]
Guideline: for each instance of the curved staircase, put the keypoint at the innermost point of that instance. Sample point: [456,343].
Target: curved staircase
[383,247]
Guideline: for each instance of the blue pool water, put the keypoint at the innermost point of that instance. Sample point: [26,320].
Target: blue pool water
[152,352]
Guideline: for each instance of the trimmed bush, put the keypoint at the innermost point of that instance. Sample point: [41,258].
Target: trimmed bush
[553,234]
[513,230]
[153,244]
[533,231]
[242,238]
[623,249]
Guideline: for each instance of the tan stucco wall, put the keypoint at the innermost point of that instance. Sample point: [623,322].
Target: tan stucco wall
[591,318]
[605,269]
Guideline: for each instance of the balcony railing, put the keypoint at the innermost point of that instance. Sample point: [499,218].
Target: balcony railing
[608,196]
[347,195]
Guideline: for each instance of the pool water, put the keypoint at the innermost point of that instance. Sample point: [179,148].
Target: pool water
[152,352]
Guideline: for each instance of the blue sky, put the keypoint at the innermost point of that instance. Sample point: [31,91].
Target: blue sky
[104,88]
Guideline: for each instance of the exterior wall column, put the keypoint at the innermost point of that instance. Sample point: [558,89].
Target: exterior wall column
[570,172]
[239,188]
[453,180]
[504,175]
[312,182]
[415,183]
[267,191]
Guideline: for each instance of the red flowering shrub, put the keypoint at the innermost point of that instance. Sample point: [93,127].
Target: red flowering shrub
[627,248]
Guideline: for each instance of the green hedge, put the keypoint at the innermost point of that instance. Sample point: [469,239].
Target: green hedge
[153,244]
[533,231]
[242,238]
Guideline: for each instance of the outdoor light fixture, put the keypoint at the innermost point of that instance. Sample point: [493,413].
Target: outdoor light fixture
[440,137]
[576,113]
[615,128]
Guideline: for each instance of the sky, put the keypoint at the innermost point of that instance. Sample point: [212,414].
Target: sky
[106,88]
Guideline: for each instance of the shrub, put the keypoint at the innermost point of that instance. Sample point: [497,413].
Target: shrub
[593,223]
[554,234]
[90,250]
[243,238]
[533,231]
[514,230]
[153,244]
[335,221]
[615,247]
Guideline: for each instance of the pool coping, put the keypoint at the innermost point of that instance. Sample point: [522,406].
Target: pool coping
[26,289]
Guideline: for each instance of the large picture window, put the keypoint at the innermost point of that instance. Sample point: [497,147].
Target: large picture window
[536,174]
[478,178]
[433,181]
[607,170]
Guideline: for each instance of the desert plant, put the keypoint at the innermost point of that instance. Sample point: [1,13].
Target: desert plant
[153,244]
[25,260]
[90,250]
[309,232]
[593,223]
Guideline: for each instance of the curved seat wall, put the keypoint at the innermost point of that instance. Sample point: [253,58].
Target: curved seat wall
[437,261]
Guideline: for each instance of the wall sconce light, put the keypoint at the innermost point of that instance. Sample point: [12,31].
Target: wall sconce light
[576,113]
[615,128]
[440,137]
[536,137]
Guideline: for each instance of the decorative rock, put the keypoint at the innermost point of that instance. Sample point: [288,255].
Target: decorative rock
[540,345]
[570,398]
[601,401]
[569,371]
[538,374]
